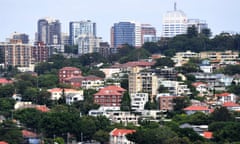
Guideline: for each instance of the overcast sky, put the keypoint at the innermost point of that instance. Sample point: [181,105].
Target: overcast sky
[22,15]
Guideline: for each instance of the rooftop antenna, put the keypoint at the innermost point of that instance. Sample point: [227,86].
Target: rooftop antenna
[175,6]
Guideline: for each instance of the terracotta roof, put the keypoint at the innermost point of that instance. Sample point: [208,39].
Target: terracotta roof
[122,132]
[92,78]
[207,135]
[69,68]
[42,108]
[28,134]
[107,92]
[196,108]
[198,83]
[134,64]
[223,94]
[60,90]
[114,87]
[3,142]
[5,81]
[230,104]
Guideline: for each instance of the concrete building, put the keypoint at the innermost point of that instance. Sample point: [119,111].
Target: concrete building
[15,53]
[174,23]
[138,101]
[148,33]
[41,52]
[199,24]
[181,58]
[20,36]
[49,31]
[124,117]
[146,82]
[77,28]
[126,33]
[88,43]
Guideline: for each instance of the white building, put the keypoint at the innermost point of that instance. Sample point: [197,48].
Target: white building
[176,88]
[88,43]
[174,23]
[138,101]
[118,136]
[123,117]
[181,58]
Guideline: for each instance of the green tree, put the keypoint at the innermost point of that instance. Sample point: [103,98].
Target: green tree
[125,102]
[221,114]
[166,61]
[101,136]
[6,90]
[180,103]
[192,32]
[151,47]
[48,81]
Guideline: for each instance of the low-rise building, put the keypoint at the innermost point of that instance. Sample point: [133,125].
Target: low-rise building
[118,136]
[183,57]
[194,108]
[68,72]
[123,117]
[226,97]
[138,101]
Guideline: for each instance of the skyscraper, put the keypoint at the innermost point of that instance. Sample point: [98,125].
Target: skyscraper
[77,28]
[49,31]
[88,43]
[148,33]
[174,23]
[126,33]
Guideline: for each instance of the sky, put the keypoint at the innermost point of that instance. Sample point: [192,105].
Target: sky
[22,15]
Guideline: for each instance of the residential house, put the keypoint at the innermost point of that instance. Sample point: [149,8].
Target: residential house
[123,117]
[4,81]
[176,88]
[154,115]
[92,82]
[118,136]
[23,105]
[110,72]
[109,96]
[201,87]
[226,97]
[138,101]
[165,101]
[67,72]
[3,142]
[30,137]
[194,108]
[231,106]
[71,95]
[181,58]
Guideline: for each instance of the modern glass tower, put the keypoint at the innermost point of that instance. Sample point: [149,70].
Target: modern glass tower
[77,28]
[49,31]
[126,33]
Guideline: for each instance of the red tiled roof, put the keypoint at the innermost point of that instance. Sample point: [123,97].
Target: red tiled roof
[207,135]
[107,92]
[42,108]
[114,87]
[5,81]
[134,64]
[122,132]
[196,108]
[223,94]
[69,68]
[230,104]
[3,142]
[198,83]
[60,90]
[28,134]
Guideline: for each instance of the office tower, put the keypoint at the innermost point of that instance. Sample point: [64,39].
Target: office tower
[199,24]
[77,28]
[148,33]
[49,31]
[65,39]
[126,33]
[88,43]
[15,53]
[174,23]
[20,36]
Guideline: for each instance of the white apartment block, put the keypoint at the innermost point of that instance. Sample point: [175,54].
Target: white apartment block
[123,117]
[138,101]
[176,88]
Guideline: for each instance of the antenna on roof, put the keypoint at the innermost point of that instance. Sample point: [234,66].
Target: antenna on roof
[175,6]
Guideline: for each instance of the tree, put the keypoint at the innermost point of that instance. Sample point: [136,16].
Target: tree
[97,73]
[206,32]
[6,90]
[125,102]
[151,47]
[166,61]
[221,114]
[180,103]
[192,32]
[6,106]
[101,136]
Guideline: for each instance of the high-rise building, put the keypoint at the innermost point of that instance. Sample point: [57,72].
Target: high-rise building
[20,36]
[148,33]
[126,33]
[199,24]
[174,23]
[49,31]
[41,52]
[15,53]
[77,28]
[88,43]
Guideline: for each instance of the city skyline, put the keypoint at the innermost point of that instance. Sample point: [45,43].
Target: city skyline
[22,16]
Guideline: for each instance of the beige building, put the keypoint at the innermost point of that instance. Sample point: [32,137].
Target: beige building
[146,82]
[226,56]
[183,57]
[16,53]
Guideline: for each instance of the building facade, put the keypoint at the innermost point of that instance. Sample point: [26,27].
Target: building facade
[174,23]
[21,36]
[148,33]
[77,28]
[199,24]
[126,33]
[138,101]
[49,31]
[68,72]
[41,52]
[88,44]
